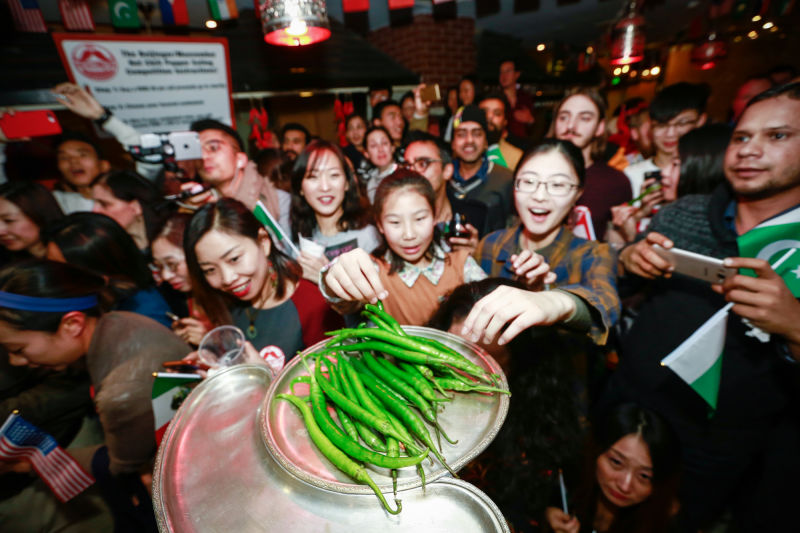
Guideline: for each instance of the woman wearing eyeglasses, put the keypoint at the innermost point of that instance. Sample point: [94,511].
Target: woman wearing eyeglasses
[578,276]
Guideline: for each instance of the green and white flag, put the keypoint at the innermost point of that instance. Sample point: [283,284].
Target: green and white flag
[770,240]
[698,359]
[169,391]
[124,13]
[223,9]
[279,236]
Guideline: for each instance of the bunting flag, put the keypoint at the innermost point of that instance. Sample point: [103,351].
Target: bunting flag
[21,440]
[27,16]
[698,359]
[484,8]
[526,6]
[354,6]
[169,391]
[785,7]
[444,9]
[223,9]
[124,13]
[174,12]
[720,8]
[770,240]
[356,15]
[76,15]
[401,12]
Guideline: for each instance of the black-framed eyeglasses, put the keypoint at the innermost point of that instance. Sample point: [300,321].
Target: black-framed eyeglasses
[553,188]
[421,164]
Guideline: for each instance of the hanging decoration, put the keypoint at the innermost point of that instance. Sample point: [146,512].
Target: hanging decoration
[627,37]
[342,110]
[706,54]
[294,22]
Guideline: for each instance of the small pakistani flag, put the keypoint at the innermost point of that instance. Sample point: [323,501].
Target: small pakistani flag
[698,359]
[496,156]
[169,391]
[124,13]
[275,230]
[770,240]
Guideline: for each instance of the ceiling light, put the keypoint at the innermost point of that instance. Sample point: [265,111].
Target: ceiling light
[589,49]
[646,72]
[211,24]
[540,47]
[617,71]
[627,37]
[756,18]
[625,69]
[767,25]
[294,22]
[655,71]
[753,34]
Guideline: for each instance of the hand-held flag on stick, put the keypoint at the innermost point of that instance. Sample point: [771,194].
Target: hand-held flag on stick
[22,440]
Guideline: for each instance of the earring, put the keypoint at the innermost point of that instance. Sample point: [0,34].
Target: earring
[272,274]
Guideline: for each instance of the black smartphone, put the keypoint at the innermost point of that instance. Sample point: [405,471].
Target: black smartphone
[452,227]
[653,174]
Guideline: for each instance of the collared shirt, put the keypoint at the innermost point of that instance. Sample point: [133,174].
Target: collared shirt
[434,270]
[464,186]
[583,268]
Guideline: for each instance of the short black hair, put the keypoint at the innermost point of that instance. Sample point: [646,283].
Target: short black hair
[72,135]
[792,90]
[381,86]
[210,124]
[416,136]
[674,99]
[495,95]
[377,111]
[295,126]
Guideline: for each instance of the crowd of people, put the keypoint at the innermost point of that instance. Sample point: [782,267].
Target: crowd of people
[545,252]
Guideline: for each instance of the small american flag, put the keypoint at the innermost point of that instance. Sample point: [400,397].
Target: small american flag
[76,15]
[27,16]
[22,440]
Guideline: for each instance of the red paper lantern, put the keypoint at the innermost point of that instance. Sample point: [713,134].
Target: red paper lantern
[294,22]
[627,37]
[706,55]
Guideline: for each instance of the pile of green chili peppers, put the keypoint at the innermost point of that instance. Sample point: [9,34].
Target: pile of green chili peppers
[383,385]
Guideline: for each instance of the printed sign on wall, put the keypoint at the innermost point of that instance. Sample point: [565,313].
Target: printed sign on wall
[155,84]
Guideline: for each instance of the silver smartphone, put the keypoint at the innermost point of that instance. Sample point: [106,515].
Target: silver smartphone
[186,145]
[694,265]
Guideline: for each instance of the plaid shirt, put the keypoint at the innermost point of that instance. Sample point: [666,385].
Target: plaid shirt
[583,268]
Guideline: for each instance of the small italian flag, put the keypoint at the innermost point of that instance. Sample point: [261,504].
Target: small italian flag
[169,391]
[223,9]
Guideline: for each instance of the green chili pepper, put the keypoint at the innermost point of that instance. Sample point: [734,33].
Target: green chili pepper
[339,459]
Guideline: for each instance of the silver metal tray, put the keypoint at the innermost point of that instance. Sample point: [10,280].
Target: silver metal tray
[471,419]
[213,474]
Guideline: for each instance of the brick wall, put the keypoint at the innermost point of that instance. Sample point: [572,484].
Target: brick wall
[440,51]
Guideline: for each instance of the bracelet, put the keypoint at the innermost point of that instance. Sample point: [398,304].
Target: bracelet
[107,114]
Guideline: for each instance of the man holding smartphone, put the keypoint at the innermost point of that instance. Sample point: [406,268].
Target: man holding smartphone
[744,454]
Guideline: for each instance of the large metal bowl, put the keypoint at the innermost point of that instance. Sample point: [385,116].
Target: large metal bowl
[214,474]
[471,419]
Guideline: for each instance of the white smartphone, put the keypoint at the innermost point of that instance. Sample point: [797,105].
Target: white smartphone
[694,265]
[186,145]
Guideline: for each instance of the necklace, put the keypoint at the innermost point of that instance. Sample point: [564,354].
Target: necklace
[252,315]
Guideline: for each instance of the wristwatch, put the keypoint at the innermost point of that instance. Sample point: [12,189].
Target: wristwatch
[107,114]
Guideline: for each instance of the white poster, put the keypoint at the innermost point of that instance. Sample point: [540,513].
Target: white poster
[155,84]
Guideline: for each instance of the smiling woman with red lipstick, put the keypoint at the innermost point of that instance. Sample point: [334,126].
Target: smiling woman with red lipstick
[327,208]
[238,277]
[630,478]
